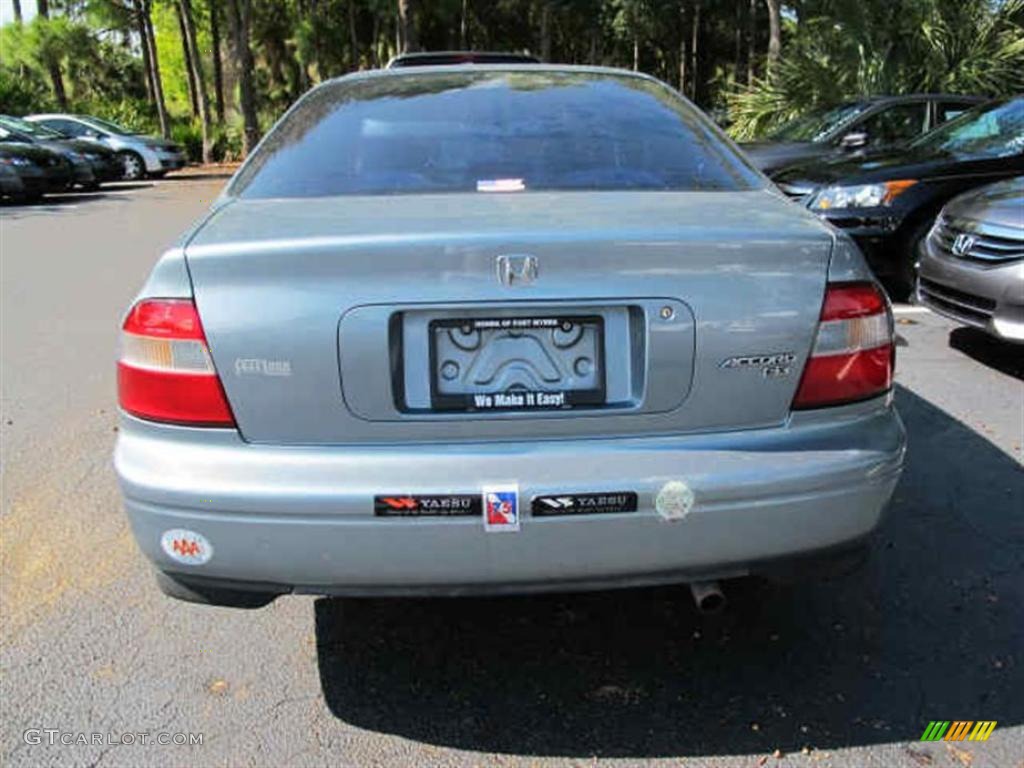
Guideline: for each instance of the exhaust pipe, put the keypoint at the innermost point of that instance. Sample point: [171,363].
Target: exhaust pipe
[707,596]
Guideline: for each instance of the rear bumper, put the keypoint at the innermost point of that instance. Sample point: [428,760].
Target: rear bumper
[985,296]
[301,519]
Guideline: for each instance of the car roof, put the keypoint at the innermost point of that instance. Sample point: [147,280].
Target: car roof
[877,99]
[454,58]
[447,69]
[53,116]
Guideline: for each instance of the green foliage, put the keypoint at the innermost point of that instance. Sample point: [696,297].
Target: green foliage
[896,46]
[832,50]
[190,136]
[22,94]
[134,114]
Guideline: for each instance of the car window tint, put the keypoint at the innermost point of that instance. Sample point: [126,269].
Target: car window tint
[947,110]
[491,131]
[68,127]
[818,125]
[895,124]
[993,130]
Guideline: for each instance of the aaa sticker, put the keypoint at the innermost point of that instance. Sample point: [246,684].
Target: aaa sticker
[186,547]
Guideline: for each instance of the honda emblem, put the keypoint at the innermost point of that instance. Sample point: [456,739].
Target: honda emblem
[963,243]
[517,269]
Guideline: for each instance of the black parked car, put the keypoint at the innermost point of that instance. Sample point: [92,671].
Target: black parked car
[857,126]
[38,171]
[889,200]
[91,163]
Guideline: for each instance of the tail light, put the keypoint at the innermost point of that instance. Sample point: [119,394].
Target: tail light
[165,372]
[853,354]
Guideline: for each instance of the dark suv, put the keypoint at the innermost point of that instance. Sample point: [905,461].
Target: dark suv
[868,124]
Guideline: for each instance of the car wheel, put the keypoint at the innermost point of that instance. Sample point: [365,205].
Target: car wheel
[134,166]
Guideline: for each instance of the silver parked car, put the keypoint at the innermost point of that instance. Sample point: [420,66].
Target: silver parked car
[501,329]
[972,262]
[141,155]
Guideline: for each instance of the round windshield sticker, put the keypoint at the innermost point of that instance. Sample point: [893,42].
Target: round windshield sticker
[186,547]
[674,500]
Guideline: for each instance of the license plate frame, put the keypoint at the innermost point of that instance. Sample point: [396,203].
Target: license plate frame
[520,400]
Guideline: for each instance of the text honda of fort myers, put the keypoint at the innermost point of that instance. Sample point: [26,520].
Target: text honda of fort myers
[501,328]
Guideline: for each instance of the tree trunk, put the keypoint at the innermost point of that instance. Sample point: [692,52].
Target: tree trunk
[738,32]
[682,48]
[195,65]
[147,41]
[17,11]
[187,56]
[463,41]
[240,22]
[695,51]
[375,42]
[147,62]
[545,31]
[144,9]
[636,54]
[774,34]
[407,26]
[218,72]
[751,41]
[353,38]
[52,65]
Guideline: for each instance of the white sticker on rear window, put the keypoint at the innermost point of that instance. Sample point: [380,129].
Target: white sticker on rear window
[500,185]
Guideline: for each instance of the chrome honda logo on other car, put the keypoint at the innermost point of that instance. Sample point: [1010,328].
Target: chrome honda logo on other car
[517,269]
[963,243]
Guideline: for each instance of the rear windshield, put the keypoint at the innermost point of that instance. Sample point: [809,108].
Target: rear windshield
[491,131]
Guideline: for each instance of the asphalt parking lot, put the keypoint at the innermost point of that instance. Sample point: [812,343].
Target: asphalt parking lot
[845,673]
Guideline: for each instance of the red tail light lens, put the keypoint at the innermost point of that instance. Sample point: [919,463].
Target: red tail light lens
[165,372]
[853,351]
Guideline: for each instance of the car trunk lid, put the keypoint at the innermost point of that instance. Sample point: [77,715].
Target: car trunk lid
[330,319]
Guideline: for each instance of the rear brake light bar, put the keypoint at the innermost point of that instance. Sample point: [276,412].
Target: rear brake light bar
[165,372]
[853,355]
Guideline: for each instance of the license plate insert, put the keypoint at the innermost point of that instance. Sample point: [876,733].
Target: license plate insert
[517,363]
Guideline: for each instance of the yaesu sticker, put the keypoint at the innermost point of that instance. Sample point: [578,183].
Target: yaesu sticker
[501,508]
[583,504]
[186,547]
[427,505]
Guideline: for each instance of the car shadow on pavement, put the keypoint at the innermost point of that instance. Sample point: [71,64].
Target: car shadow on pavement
[989,351]
[931,628]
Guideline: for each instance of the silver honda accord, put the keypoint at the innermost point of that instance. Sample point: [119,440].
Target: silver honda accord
[972,262]
[500,329]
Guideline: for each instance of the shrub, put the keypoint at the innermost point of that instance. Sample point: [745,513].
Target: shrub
[189,135]
[134,114]
[22,95]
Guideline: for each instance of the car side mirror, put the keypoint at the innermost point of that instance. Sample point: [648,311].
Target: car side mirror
[854,140]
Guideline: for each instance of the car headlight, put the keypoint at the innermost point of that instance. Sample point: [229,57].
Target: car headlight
[859,195]
[15,160]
